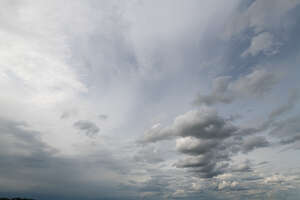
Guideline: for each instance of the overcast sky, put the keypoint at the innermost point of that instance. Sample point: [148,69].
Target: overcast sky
[150,99]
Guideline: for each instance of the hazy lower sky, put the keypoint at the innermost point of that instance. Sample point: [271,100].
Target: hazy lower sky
[150,99]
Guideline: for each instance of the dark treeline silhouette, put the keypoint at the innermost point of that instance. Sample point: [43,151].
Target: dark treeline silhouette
[17,198]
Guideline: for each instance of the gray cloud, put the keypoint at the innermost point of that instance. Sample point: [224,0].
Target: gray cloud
[219,92]
[149,154]
[89,128]
[262,43]
[254,142]
[31,167]
[290,140]
[286,128]
[291,102]
[224,90]
[257,83]
[103,117]
[209,141]
[255,17]
[157,133]
[213,157]
[206,165]
[193,146]
[245,166]
[68,113]
[142,62]
[19,141]
[203,123]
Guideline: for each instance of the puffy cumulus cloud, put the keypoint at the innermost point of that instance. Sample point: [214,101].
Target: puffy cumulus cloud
[227,184]
[89,128]
[262,43]
[209,140]
[203,123]
[255,84]
[190,145]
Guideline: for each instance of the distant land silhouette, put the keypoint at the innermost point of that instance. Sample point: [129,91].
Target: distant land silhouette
[17,198]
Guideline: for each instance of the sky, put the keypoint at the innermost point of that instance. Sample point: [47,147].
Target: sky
[150,99]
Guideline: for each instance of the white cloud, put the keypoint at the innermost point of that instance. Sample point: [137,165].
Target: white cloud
[227,184]
[278,178]
[262,43]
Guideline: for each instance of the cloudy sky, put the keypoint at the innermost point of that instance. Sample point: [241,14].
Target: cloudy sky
[150,99]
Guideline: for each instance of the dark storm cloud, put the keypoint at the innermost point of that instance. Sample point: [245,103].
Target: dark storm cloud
[89,128]
[225,90]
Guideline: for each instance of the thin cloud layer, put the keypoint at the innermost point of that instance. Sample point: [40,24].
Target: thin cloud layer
[254,84]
